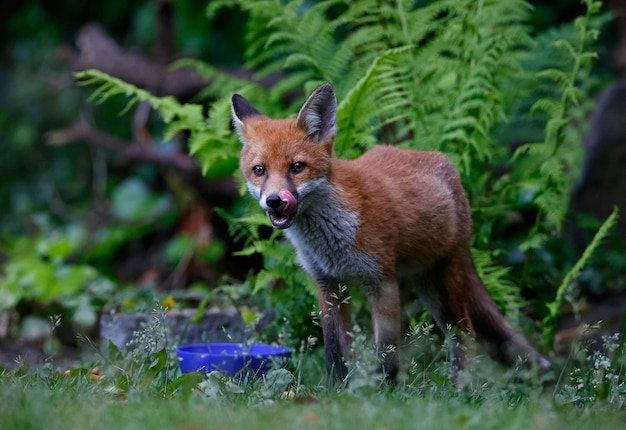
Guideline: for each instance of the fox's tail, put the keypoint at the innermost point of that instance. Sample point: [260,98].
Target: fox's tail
[502,341]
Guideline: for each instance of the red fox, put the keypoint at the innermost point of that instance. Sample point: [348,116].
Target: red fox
[389,216]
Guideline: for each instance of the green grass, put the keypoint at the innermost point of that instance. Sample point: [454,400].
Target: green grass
[72,405]
[145,390]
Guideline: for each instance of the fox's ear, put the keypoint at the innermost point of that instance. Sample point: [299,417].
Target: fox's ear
[318,114]
[241,110]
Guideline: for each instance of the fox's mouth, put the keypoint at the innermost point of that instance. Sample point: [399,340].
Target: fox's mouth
[282,208]
[280,219]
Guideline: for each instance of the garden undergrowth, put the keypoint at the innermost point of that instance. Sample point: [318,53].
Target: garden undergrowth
[145,385]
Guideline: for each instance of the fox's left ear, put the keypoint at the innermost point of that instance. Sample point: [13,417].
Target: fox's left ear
[318,114]
[241,110]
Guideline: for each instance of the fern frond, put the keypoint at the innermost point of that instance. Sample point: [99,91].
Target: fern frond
[376,93]
[551,107]
[554,178]
[176,116]
[246,227]
[210,140]
[561,78]
[554,307]
[303,38]
[498,282]
[220,83]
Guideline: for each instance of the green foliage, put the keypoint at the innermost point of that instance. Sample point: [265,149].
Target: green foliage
[177,116]
[457,76]
[67,270]
[438,84]
[596,375]
[554,308]
[553,179]
[296,37]
[209,139]
[439,77]
[290,292]
[502,288]
[40,271]
[132,201]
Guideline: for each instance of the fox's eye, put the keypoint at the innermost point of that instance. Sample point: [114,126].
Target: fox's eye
[298,167]
[258,170]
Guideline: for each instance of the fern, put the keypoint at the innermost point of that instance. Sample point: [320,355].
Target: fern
[359,111]
[431,78]
[248,228]
[214,146]
[222,84]
[437,82]
[497,279]
[298,39]
[553,182]
[278,256]
[176,116]
[550,321]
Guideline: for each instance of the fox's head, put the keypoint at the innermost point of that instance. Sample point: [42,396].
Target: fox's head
[285,160]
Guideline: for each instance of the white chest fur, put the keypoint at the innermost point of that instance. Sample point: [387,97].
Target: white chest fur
[324,233]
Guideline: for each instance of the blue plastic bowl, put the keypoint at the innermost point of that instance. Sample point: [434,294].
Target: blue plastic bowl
[231,359]
[227,358]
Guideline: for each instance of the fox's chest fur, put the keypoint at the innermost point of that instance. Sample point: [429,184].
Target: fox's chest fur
[324,235]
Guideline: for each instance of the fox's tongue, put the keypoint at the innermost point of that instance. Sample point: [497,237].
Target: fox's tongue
[291,204]
[283,217]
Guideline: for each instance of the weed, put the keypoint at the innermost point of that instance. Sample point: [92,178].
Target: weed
[600,376]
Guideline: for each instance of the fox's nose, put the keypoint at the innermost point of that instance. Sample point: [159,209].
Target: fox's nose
[273,201]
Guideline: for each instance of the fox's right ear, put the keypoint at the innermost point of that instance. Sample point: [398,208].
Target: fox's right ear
[241,110]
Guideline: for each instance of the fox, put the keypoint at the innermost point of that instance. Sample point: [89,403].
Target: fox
[386,221]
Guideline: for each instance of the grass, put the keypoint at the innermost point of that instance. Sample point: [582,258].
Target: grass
[144,389]
[80,405]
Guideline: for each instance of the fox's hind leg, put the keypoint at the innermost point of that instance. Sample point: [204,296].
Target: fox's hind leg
[444,292]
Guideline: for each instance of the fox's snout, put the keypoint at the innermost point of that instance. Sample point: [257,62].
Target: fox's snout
[281,208]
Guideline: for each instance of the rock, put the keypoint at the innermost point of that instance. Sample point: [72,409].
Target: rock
[214,326]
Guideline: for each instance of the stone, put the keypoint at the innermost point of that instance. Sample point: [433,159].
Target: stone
[214,326]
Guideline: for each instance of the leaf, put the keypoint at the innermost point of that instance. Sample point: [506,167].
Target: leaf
[275,382]
[186,383]
[550,106]
[133,201]
[158,363]
[533,242]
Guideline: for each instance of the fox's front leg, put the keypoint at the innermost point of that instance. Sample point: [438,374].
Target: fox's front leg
[387,321]
[335,319]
